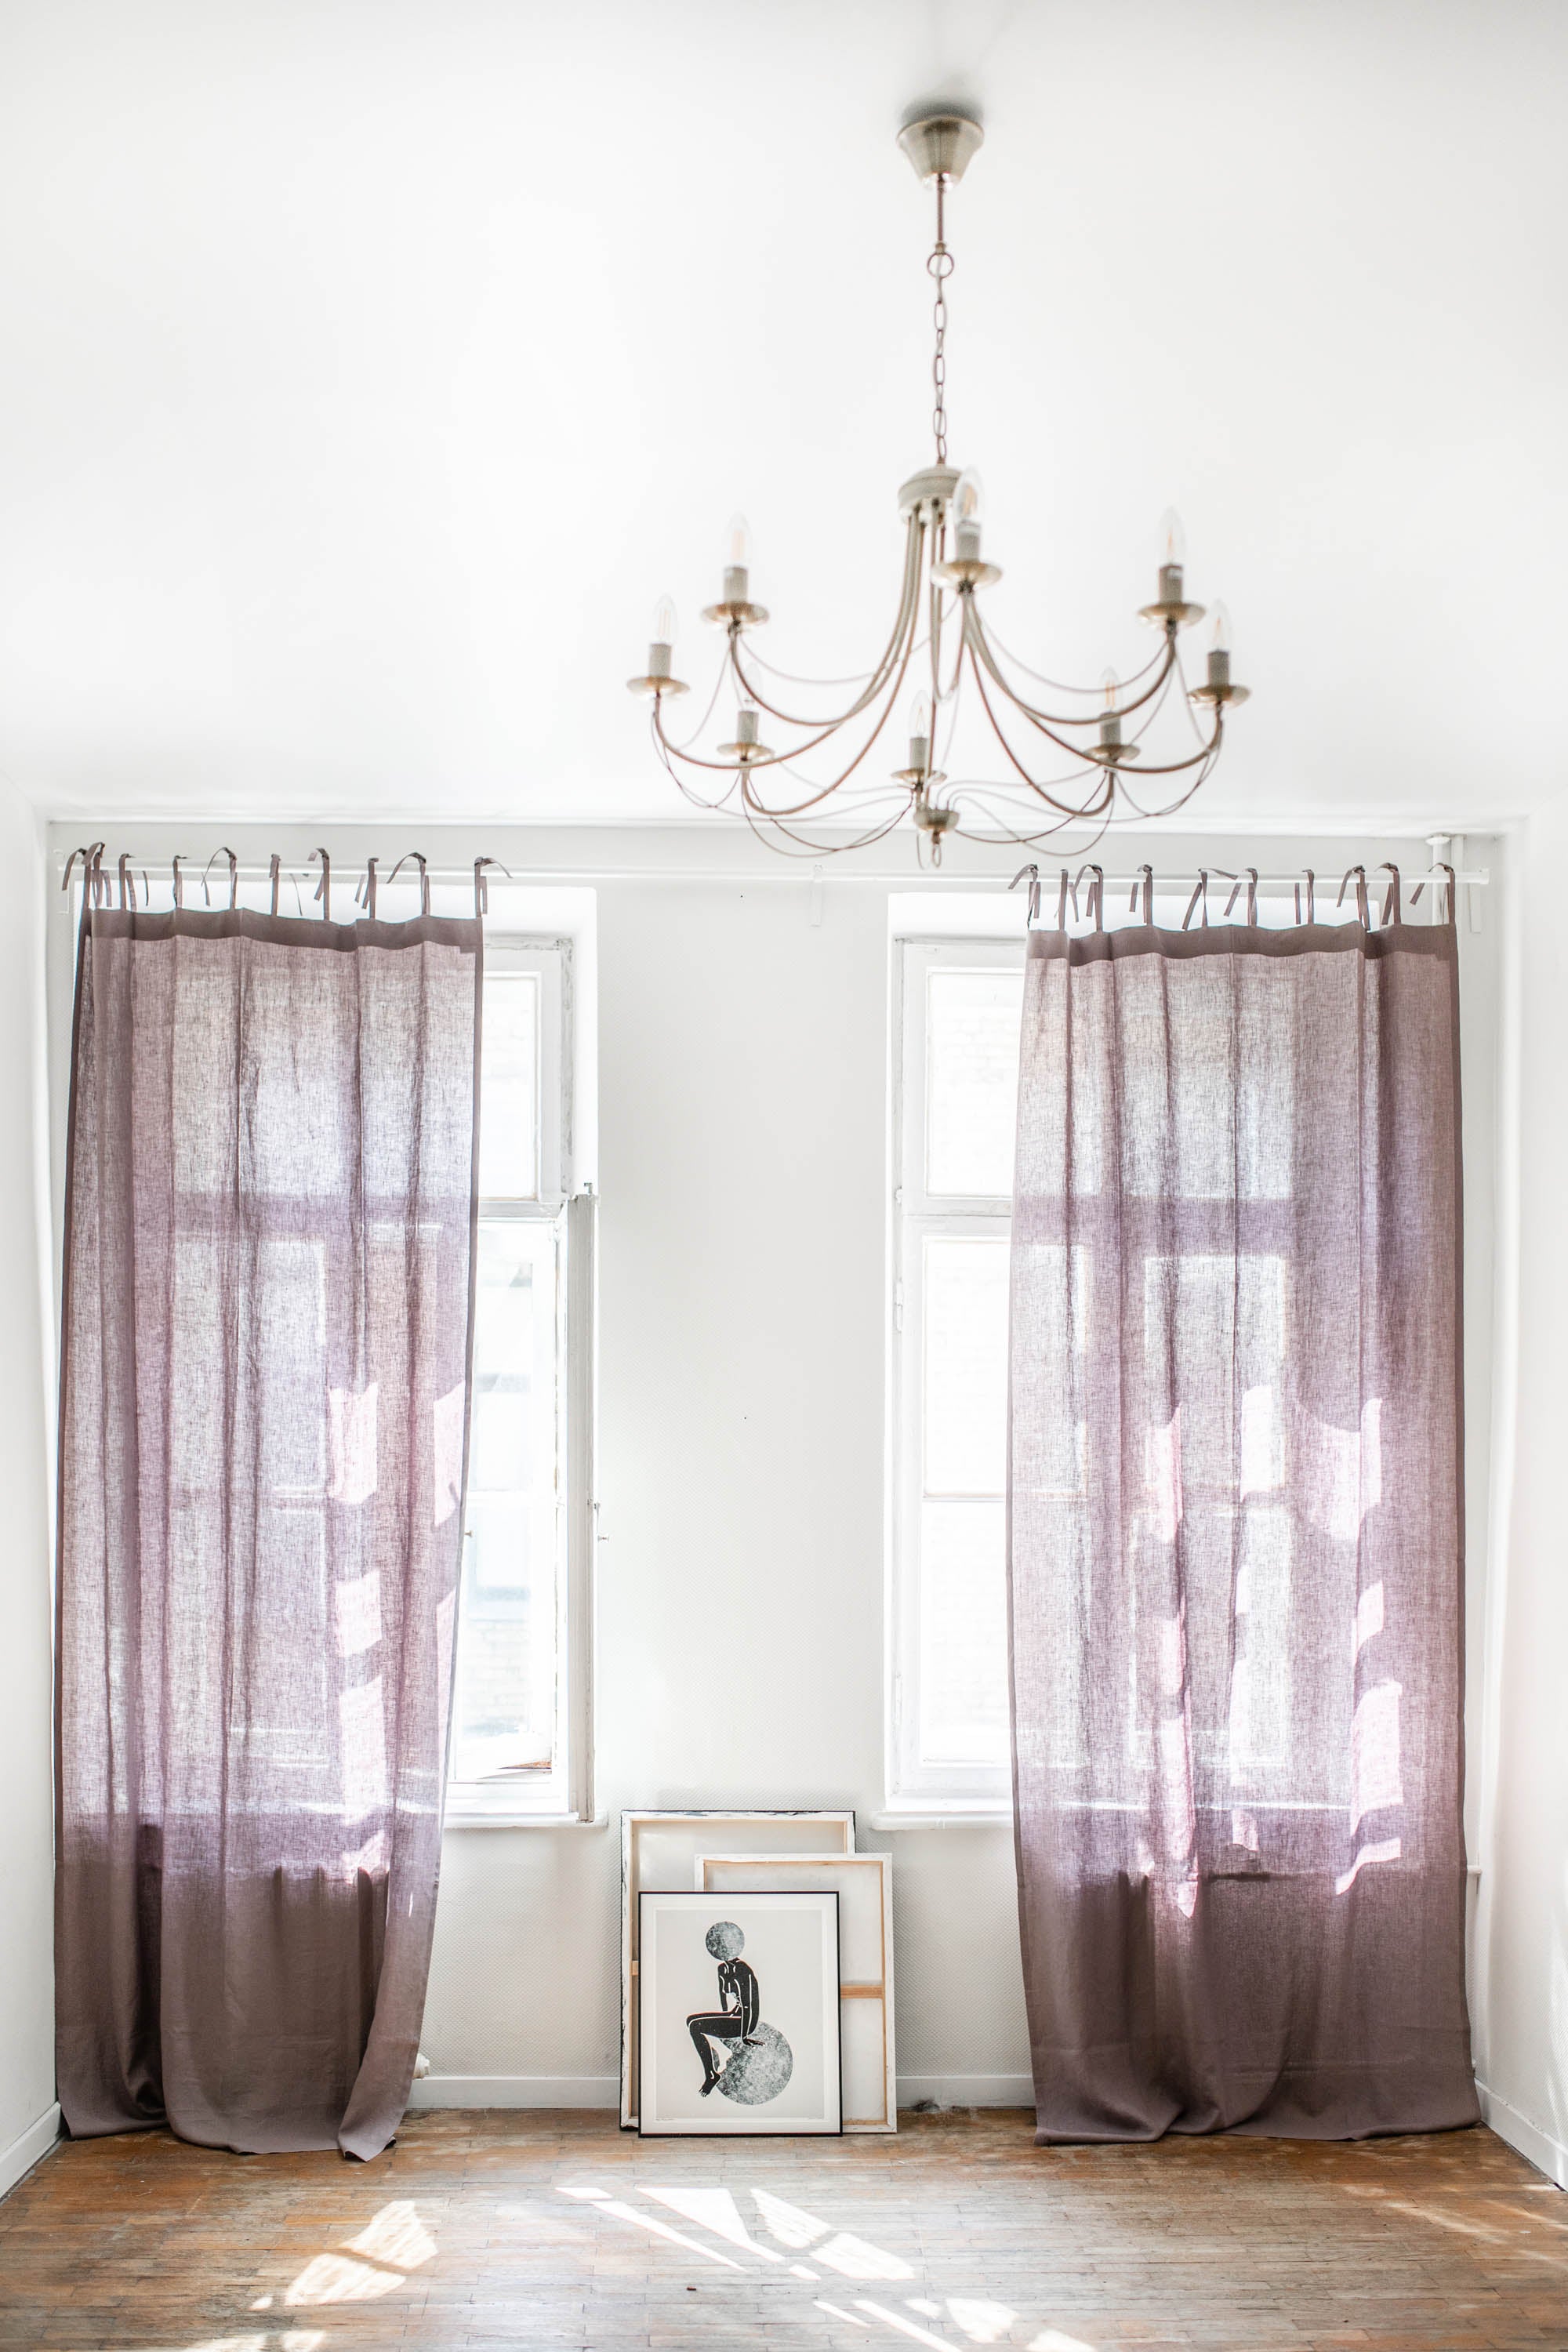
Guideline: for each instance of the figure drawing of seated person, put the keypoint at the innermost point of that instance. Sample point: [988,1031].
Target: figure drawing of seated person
[740,2002]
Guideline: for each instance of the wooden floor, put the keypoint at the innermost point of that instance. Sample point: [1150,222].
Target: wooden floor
[533,2232]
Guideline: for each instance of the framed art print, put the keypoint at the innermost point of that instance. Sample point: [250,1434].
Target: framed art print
[738,2014]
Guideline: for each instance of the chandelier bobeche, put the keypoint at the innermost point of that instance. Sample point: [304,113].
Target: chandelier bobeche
[939,636]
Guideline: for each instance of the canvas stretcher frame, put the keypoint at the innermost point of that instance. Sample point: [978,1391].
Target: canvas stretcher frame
[869,2063]
[675,1838]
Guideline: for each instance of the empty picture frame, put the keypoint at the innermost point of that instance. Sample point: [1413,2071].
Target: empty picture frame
[659,1849]
[864,1884]
[738,2014]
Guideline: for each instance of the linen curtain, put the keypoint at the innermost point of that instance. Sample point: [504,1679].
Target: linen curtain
[1236,1533]
[264,1426]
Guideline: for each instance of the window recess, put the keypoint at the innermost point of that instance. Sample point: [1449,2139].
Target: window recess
[521,1742]
[956,1010]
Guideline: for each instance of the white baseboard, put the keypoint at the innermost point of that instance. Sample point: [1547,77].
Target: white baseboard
[517,2091]
[27,2148]
[1548,2155]
[604,2091]
[967,2090]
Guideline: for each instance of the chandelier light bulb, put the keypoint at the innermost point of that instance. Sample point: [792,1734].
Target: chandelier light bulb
[737,561]
[1172,556]
[663,637]
[968,501]
[1110,717]
[1219,647]
[746,723]
[919,735]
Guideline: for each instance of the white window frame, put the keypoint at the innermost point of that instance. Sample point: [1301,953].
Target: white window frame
[564,1792]
[915,1790]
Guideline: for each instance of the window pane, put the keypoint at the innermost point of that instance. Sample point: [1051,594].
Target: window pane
[972,1080]
[508,1081]
[965,1404]
[964,1634]
[507,1663]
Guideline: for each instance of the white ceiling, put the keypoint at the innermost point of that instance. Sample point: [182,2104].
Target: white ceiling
[368,366]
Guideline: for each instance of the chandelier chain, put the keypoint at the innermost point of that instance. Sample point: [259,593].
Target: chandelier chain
[940,266]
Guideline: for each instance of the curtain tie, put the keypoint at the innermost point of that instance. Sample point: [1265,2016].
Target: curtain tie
[1032,912]
[1200,895]
[1096,894]
[418,855]
[481,882]
[233,877]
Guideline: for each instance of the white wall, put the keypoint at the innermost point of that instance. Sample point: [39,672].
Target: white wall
[1522,1947]
[743,1322]
[28,2117]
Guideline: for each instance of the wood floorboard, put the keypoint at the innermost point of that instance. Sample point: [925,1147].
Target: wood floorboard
[529,2233]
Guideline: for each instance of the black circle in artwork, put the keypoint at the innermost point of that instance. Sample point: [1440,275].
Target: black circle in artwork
[759,2070]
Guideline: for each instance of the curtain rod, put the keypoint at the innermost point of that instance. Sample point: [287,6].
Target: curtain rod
[804,870]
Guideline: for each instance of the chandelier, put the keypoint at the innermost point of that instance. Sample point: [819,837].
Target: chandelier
[940,643]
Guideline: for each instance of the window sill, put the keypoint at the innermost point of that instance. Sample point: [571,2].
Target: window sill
[937,1813]
[462,1813]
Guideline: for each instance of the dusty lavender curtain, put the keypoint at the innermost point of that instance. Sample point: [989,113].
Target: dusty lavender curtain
[1236,1541]
[263,1447]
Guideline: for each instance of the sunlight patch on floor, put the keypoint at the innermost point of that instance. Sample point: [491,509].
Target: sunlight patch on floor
[392,2244]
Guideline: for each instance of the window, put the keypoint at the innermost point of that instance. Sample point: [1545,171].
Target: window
[955,1075]
[520,1728]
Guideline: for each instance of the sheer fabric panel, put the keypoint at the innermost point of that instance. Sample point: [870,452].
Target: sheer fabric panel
[263,1448]
[1235,1532]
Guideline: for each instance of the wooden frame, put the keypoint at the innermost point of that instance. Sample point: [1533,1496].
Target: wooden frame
[684,1836]
[871,2082]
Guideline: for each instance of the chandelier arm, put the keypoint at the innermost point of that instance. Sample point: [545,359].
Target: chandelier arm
[685,790]
[933,641]
[817,849]
[690,759]
[1004,790]
[1152,816]
[1092,809]
[707,715]
[1046,719]
[746,768]
[1042,838]
[1181,767]
[939,695]
[736,768]
[799,807]
[908,602]
[790,677]
[1061,742]
[1165,768]
[1026,840]
[1060,686]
